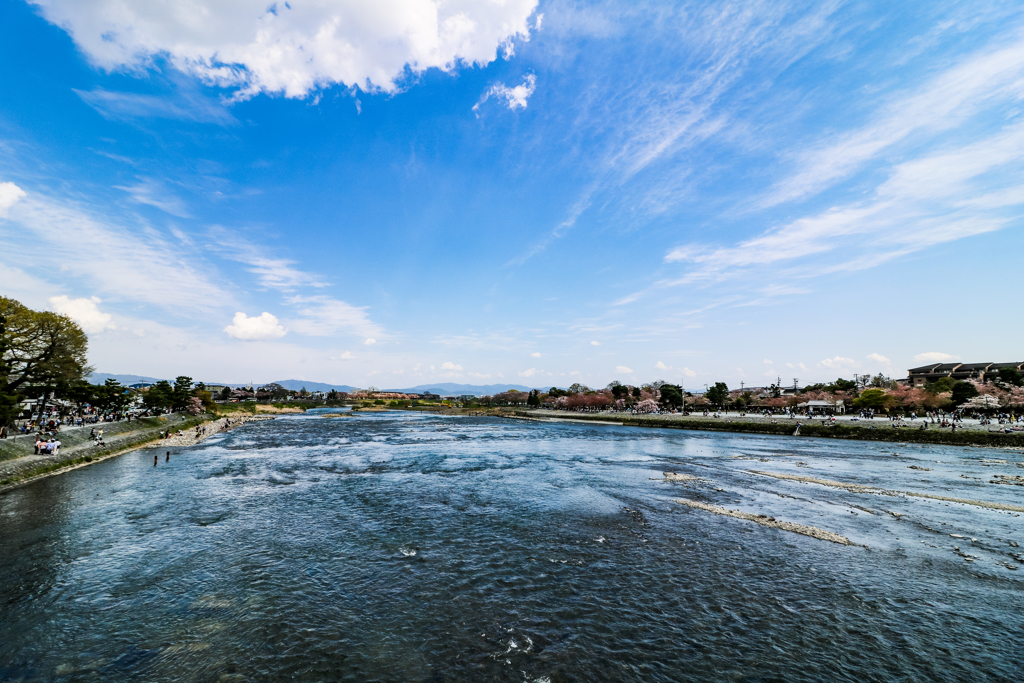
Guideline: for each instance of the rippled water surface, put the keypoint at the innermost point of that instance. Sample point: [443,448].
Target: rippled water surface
[408,547]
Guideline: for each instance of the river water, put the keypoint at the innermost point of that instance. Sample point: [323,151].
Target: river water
[411,547]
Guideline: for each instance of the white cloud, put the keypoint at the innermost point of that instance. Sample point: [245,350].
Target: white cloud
[595,343]
[324,316]
[689,373]
[345,356]
[9,196]
[296,48]
[944,102]
[535,354]
[515,98]
[264,326]
[528,373]
[661,366]
[936,357]
[838,363]
[85,312]
[623,370]
[451,366]
[154,193]
[479,375]
[370,341]
[138,262]
[879,358]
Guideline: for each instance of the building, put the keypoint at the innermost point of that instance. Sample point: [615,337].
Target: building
[918,377]
[823,407]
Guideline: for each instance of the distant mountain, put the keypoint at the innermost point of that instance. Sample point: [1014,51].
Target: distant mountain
[101,377]
[451,389]
[298,384]
[443,388]
[293,384]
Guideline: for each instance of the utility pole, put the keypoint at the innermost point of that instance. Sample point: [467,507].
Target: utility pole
[795,382]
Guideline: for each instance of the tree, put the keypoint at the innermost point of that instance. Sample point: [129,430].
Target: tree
[1011,377]
[534,398]
[963,392]
[41,348]
[874,399]
[718,394]
[843,385]
[182,392]
[942,385]
[637,394]
[225,393]
[671,396]
[160,395]
[578,388]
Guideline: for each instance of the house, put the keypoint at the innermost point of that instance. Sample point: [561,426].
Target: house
[823,407]
[918,377]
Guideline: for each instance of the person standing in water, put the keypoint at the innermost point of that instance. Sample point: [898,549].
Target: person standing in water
[168,457]
[155,458]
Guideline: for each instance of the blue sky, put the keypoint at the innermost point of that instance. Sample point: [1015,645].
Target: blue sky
[396,193]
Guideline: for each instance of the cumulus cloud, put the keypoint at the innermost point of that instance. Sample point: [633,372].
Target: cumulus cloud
[451,366]
[515,98]
[879,358]
[661,366]
[528,373]
[595,343]
[85,312]
[345,356]
[9,196]
[689,373]
[370,341]
[838,363]
[264,326]
[936,357]
[535,354]
[295,48]
[623,369]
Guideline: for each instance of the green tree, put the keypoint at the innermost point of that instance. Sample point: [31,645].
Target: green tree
[1011,376]
[534,398]
[182,392]
[160,395]
[671,396]
[637,394]
[578,388]
[225,393]
[39,350]
[874,399]
[942,385]
[843,385]
[963,392]
[718,394]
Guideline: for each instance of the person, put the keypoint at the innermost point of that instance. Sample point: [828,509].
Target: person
[168,457]
[39,443]
[155,458]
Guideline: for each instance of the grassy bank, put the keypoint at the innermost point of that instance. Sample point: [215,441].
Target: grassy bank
[78,449]
[787,428]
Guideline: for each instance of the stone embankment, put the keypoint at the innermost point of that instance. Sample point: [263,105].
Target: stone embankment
[876,430]
[19,465]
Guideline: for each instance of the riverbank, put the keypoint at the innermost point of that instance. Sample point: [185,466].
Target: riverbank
[877,430]
[119,438]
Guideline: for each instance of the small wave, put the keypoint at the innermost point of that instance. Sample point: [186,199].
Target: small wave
[407,552]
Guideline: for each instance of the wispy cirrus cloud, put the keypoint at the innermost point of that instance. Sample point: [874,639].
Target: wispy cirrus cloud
[950,98]
[322,316]
[935,198]
[154,193]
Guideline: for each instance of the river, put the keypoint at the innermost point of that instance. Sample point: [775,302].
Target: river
[413,547]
